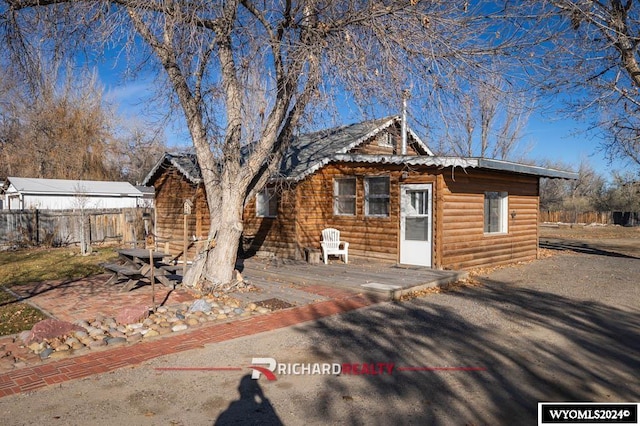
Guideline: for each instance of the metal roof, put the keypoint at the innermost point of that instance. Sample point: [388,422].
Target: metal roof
[72,187]
[443,162]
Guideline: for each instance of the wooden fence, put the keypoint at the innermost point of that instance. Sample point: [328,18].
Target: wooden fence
[604,218]
[63,227]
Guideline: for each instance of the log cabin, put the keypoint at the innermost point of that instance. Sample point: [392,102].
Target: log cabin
[391,198]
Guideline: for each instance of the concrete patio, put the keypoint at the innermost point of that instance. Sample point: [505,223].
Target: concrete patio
[382,279]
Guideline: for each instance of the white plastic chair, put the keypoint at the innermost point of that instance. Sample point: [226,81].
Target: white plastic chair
[331,245]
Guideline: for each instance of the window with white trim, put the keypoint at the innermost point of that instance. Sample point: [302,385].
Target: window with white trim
[495,212]
[344,196]
[376,196]
[267,203]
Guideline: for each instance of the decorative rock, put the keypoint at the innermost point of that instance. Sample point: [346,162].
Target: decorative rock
[193,321]
[49,329]
[112,341]
[163,330]
[71,340]
[165,324]
[162,310]
[81,323]
[151,333]
[238,311]
[45,353]
[179,316]
[246,314]
[81,334]
[136,337]
[221,316]
[179,327]
[147,322]
[77,345]
[251,307]
[200,305]
[24,336]
[96,332]
[98,343]
[60,354]
[36,347]
[132,314]
[262,310]
[63,347]
[135,326]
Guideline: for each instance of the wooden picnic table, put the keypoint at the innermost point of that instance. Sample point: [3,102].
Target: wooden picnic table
[135,266]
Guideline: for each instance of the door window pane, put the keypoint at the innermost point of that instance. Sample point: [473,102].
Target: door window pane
[416,228]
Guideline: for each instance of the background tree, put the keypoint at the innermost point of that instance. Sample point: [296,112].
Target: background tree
[490,123]
[62,131]
[215,59]
[63,128]
[593,64]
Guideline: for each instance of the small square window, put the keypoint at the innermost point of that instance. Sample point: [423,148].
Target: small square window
[267,203]
[495,212]
[344,196]
[376,193]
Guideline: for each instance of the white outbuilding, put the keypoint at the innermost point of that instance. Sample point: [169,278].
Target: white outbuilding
[59,194]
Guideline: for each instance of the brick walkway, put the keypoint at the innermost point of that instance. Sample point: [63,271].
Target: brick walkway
[35,377]
[84,298]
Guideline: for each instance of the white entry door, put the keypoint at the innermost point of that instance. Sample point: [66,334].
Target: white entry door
[415,224]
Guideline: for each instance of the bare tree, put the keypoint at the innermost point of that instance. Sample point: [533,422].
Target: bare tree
[217,58]
[137,148]
[490,122]
[81,202]
[594,65]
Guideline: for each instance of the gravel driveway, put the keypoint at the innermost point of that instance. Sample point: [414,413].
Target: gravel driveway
[562,328]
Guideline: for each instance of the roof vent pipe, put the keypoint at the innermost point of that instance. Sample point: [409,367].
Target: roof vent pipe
[405,96]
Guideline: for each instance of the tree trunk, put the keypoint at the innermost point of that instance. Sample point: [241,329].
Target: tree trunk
[225,235]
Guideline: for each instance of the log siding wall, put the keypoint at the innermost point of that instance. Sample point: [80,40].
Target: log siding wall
[368,236]
[306,208]
[172,189]
[462,241]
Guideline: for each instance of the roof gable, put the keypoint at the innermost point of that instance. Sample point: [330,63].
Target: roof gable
[310,151]
[186,163]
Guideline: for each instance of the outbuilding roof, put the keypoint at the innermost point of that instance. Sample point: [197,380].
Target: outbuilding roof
[72,187]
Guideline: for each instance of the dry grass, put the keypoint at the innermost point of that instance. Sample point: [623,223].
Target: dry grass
[37,265]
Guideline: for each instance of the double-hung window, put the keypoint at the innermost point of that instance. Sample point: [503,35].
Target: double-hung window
[344,196]
[376,196]
[267,203]
[495,212]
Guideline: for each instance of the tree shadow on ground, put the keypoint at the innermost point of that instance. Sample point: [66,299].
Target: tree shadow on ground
[535,346]
[580,247]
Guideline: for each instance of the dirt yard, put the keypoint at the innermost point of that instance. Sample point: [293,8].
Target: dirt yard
[614,239]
